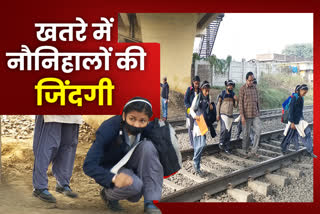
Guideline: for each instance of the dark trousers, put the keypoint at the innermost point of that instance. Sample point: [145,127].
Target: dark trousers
[255,124]
[147,173]
[239,128]
[56,143]
[225,135]
[294,137]
[190,129]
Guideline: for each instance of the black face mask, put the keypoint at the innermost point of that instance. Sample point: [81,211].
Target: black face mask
[132,129]
[230,90]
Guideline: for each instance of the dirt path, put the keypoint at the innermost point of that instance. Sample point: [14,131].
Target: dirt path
[17,164]
[16,190]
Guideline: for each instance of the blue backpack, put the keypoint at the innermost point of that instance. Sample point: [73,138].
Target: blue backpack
[285,108]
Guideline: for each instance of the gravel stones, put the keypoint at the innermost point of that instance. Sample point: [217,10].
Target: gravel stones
[22,126]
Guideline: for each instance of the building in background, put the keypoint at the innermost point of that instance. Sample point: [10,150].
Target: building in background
[264,63]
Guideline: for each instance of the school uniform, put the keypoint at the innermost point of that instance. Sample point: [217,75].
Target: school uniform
[55,140]
[143,166]
[200,105]
[188,98]
[302,131]
[225,107]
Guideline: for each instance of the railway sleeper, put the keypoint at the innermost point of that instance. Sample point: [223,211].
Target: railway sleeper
[277,180]
[240,195]
[260,187]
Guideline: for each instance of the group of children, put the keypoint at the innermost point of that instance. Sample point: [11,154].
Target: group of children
[123,140]
[197,102]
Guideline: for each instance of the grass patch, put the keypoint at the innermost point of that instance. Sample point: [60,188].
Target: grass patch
[275,89]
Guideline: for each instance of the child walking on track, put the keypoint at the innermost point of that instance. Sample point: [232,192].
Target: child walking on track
[200,106]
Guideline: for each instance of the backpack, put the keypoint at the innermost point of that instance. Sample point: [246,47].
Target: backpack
[285,108]
[222,95]
[209,115]
[210,119]
[164,139]
[189,89]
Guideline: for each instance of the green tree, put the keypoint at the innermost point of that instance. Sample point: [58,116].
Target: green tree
[299,50]
[220,65]
[195,57]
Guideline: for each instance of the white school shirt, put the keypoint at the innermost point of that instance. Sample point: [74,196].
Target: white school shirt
[127,156]
[188,120]
[196,129]
[132,138]
[300,128]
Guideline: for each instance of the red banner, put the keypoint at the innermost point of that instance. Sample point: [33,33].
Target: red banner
[73,65]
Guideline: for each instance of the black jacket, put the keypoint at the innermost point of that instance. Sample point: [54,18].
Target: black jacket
[188,97]
[296,109]
[165,90]
[105,153]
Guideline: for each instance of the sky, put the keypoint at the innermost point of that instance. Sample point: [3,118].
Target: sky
[243,35]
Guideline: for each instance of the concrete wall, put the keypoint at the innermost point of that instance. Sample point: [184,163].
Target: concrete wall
[278,67]
[128,28]
[273,57]
[175,33]
[238,70]
[202,69]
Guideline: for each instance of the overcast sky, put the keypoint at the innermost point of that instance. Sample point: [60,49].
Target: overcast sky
[243,35]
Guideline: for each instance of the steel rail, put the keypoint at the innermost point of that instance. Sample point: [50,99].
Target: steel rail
[195,193]
[182,121]
[263,118]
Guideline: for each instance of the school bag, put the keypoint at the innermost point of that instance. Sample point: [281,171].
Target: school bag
[164,139]
[222,95]
[209,115]
[285,108]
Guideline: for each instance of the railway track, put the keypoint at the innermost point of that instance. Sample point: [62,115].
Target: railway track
[223,171]
[179,124]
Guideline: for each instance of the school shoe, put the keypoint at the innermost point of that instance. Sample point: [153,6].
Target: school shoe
[197,171]
[66,191]
[44,195]
[313,155]
[246,155]
[150,208]
[253,154]
[227,151]
[200,173]
[113,205]
[194,167]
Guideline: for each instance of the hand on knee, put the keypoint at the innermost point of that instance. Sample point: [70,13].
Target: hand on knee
[135,190]
[122,180]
